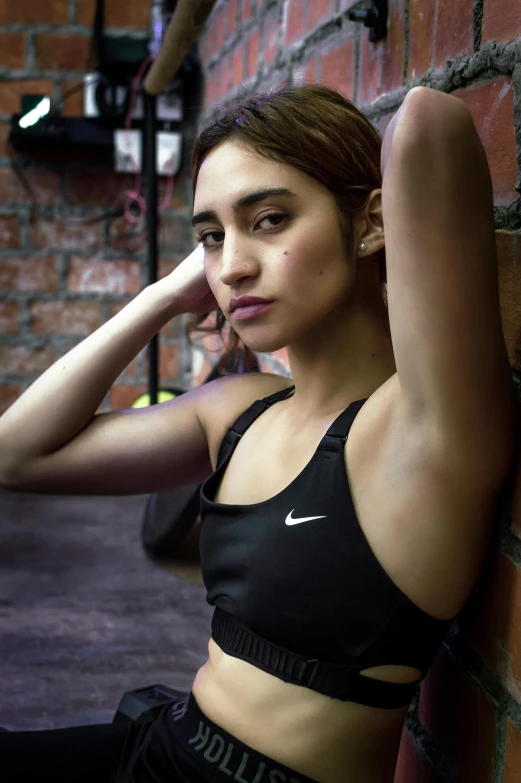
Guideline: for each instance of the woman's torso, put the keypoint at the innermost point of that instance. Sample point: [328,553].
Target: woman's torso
[410,518]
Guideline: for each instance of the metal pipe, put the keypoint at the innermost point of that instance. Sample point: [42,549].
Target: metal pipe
[187,22]
[149,157]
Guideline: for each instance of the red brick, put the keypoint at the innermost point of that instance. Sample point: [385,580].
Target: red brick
[9,317]
[106,277]
[461,719]
[117,307]
[135,15]
[72,105]
[127,237]
[81,318]
[202,47]
[11,93]
[294,21]
[12,49]
[173,328]
[212,89]
[319,11]
[508,246]
[169,361]
[8,395]
[411,765]
[501,20]
[132,370]
[246,10]
[516,500]
[85,12]
[237,65]
[271,32]
[117,14]
[492,109]
[64,234]
[167,266]
[210,40]
[253,54]
[22,360]
[454,31]
[310,74]
[305,73]
[439,30]
[338,68]
[5,148]
[492,621]
[219,29]
[61,52]
[44,185]
[381,62]
[512,763]
[54,12]
[87,188]
[232,16]
[9,233]
[122,397]
[29,273]
[225,79]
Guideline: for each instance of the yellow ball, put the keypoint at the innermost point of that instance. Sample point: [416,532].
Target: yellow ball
[144,400]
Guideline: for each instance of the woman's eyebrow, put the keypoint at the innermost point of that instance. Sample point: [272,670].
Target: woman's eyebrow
[242,203]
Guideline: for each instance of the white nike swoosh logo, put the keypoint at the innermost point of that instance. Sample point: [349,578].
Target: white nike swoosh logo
[290,521]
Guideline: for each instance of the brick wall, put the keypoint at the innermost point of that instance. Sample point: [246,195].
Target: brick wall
[64,269]
[60,279]
[465,726]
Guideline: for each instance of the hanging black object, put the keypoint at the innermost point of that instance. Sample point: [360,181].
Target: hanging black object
[117,57]
[375,18]
[115,60]
[170,515]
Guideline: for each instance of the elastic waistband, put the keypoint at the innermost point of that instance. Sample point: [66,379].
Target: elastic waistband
[222,755]
[343,683]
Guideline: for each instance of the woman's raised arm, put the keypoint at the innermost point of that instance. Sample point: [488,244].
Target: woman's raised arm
[51,438]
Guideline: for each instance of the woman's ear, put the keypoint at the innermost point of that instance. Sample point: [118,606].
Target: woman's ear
[369,227]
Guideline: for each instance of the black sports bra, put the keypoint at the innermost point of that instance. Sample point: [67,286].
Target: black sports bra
[298,590]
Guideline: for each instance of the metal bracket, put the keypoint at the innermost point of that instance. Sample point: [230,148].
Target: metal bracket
[375,18]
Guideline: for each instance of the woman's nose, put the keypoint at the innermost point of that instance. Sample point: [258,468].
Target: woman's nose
[236,262]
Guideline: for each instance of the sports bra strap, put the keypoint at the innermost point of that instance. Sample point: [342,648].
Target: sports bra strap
[335,438]
[247,418]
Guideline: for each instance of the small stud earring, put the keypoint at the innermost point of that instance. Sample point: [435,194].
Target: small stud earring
[363,246]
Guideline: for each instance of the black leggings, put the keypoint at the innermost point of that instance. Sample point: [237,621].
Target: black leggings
[83,754]
[180,746]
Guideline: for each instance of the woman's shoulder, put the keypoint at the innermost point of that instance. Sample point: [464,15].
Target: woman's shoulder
[226,398]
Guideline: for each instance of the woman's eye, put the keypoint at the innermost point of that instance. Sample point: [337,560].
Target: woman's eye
[269,216]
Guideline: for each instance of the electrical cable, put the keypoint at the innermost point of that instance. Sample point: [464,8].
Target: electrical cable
[134,197]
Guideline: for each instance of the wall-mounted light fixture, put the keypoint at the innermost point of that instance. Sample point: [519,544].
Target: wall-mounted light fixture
[375,18]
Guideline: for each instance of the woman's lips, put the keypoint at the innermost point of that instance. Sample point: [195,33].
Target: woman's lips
[250,311]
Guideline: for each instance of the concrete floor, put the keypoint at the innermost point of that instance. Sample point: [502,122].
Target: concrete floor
[85,615]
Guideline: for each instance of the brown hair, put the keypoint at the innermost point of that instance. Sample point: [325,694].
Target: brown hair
[318,131]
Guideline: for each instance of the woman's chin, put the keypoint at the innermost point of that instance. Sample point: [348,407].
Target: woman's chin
[264,345]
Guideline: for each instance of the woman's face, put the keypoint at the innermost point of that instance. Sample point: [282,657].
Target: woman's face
[285,247]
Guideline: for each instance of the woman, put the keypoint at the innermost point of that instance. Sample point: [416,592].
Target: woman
[346,512]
